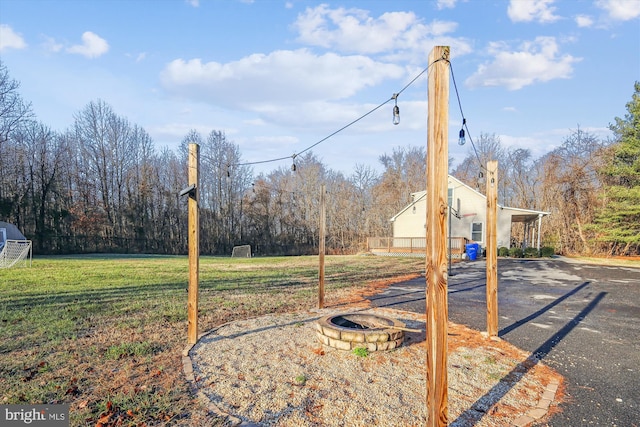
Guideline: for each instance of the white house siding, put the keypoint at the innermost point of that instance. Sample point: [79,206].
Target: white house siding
[410,222]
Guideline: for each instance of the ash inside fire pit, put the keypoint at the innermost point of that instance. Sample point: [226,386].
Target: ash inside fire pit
[346,323]
[351,330]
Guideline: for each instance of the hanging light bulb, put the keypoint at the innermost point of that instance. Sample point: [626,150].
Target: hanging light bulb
[293,165]
[396,110]
[461,139]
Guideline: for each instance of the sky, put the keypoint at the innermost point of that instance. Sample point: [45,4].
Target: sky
[278,77]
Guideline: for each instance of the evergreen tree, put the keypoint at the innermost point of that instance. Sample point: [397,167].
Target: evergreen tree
[618,222]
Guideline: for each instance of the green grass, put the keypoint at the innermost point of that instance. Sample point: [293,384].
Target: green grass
[107,331]
[360,351]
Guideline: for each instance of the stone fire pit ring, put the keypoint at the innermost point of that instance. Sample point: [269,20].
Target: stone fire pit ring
[352,330]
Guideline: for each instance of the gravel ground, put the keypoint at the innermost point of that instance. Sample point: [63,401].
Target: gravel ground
[272,370]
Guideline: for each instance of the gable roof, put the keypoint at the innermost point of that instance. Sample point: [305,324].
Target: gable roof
[521,215]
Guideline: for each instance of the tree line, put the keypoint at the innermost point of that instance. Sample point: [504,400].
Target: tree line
[102,186]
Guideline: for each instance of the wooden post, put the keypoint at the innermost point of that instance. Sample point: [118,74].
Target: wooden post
[492,249]
[194,244]
[436,263]
[321,250]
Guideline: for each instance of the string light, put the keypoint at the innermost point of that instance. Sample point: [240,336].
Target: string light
[396,110]
[396,120]
[461,140]
[464,123]
[396,116]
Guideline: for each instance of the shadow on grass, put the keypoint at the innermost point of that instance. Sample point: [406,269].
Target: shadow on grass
[108,294]
[483,405]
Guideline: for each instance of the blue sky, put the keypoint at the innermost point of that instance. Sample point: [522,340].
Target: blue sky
[278,76]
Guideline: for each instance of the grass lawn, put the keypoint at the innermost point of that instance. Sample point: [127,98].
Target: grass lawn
[105,332]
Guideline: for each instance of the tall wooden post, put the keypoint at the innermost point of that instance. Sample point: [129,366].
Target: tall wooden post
[321,250]
[492,248]
[436,263]
[194,244]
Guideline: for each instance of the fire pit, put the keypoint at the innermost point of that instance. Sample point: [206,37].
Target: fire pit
[352,330]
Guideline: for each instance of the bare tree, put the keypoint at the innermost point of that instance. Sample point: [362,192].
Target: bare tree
[570,189]
[405,173]
[472,169]
[13,110]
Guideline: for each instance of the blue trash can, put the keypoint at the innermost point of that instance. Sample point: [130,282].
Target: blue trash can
[472,251]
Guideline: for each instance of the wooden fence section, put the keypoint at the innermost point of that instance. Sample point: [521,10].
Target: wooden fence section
[410,245]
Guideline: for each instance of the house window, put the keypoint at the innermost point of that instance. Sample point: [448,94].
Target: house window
[476,232]
[450,197]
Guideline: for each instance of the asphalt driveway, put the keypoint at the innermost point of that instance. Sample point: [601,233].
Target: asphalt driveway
[582,320]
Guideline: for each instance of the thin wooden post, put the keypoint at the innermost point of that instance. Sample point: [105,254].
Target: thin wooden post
[436,263]
[492,248]
[321,250]
[194,244]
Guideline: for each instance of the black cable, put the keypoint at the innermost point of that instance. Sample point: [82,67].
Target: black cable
[293,156]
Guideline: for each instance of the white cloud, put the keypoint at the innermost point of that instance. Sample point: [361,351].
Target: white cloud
[92,46]
[355,31]
[194,3]
[9,39]
[259,81]
[50,45]
[620,10]
[535,61]
[446,4]
[532,10]
[255,122]
[584,21]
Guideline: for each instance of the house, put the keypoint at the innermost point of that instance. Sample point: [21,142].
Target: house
[467,222]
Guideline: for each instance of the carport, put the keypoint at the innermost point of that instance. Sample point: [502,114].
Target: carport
[531,225]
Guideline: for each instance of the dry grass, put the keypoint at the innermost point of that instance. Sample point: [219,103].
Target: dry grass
[620,261]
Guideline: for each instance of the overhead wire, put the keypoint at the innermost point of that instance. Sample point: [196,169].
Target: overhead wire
[393,97]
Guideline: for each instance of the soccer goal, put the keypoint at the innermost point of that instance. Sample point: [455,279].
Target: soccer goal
[15,251]
[243,251]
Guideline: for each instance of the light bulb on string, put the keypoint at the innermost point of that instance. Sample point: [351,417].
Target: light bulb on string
[396,110]
[293,165]
[461,140]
